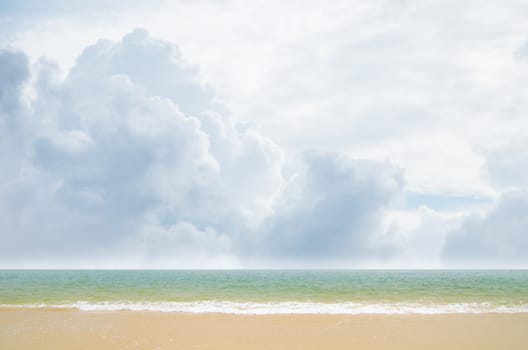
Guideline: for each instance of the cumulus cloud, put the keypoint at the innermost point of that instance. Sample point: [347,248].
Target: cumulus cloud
[131,160]
[332,210]
[500,238]
[129,135]
[14,72]
[156,66]
[182,245]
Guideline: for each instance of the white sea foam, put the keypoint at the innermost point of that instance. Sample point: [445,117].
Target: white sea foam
[271,308]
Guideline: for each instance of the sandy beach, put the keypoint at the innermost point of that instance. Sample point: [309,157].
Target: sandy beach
[72,329]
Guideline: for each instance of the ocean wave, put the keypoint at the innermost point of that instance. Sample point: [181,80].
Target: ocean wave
[277,308]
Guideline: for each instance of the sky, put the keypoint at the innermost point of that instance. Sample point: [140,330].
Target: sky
[263,134]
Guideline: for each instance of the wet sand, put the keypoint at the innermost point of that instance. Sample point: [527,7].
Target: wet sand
[71,329]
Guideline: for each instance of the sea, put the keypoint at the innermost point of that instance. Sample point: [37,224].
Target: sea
[269,291]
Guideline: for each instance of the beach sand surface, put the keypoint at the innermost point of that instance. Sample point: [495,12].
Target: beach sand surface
[72,329]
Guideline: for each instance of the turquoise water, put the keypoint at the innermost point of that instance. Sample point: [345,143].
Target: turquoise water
[250,291]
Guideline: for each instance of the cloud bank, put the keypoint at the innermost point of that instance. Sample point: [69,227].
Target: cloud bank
[131,162]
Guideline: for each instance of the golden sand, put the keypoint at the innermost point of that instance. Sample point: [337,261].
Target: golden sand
[70,329]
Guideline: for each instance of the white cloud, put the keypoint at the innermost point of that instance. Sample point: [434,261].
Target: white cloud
[360,77]
[182,245]
[507,164]
[134,158]
[110,147]
[330,212]
[135,131]
[418,235]
[13,73]
[498,239]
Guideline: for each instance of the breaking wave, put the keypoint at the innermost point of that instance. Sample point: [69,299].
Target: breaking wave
[275,308]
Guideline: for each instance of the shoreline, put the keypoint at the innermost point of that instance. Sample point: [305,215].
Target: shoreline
[65,308]
[23,328]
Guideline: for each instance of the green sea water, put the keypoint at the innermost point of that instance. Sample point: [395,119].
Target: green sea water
[270,291]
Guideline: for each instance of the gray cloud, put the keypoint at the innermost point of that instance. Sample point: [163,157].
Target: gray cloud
[500,236]
[332,210]
[131,156]
[130,160]
[14,71]
[112,150]
[498,239]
